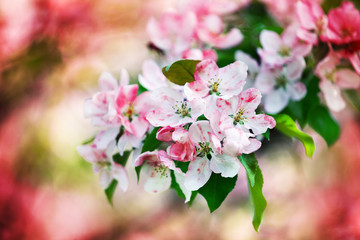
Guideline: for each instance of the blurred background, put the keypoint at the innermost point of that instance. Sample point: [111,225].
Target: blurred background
[51,55]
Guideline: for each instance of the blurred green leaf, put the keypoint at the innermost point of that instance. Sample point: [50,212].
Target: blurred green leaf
[257,198]
[109,192]
[174,185]
[122,159]
[287,126]
[192,198]
[181,72]
[250,164]
[216,190]
[323,123]
[267,134]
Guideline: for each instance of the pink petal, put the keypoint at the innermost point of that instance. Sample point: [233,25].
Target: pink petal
[180,135]
[249,100]
[199,132]
[107,82]
[165,134]
[196,89]
[126,95]
[295,68]
[166,161]
[233,79]
[332,96]
[119,173]
[235,141]
[205,71]
[228,40]
[355,61]
[89,153]
[91,109]
[227,165]
[346,78]
[125,78]
[146,156]
[104,138]
[276,101]
[105,178]
[296,91]
[270,40]
[307,36]
[157,34]
[260,123]
[254,146]
[305,15]
[152,77]
[198,174]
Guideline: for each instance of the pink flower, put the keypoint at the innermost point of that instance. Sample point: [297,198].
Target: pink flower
[172,109]
[333,79]
[132,109]
[223,82]
[156,168]
[281,84]
[100,106]
[99,153]
[210,30]
[198,54]
[182,149]
[241,110]
[174,33]
[281,50]
[207,145]
[343,26]
[312,19]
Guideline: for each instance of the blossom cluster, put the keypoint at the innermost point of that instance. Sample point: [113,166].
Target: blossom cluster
[208,122]
[193,29]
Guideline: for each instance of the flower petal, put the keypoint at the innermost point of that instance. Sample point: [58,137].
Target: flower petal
[107,82]
[270,40]
[276,101]
[198,174]
[227,165]
[119,173]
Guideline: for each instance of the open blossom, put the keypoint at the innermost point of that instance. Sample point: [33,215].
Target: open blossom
[156,168]
[100,106]
[279,50]
[281,84]
[312,19]
[207,145]
[211,80]
[173,109]
[333,79]
[174,32]
[131,110]
[99,153]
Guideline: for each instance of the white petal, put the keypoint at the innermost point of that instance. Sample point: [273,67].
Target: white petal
[227,165]
[155,181]
[120,174]
[107,82]
[105,178]
[198,173]
[276,101]
[180,179]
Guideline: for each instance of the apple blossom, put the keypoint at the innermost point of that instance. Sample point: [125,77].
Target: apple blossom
[333,79]
[207,146]
[210,79]
[99,153]
[281,84]
[173,109]
[156,168]
[278,50]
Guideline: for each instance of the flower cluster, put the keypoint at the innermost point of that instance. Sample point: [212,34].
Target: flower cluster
[193,29]
[208,122]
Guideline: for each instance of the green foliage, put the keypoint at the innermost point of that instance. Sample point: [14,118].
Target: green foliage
[257,198]
[109,192]
[323,123]
[174,185]
[122,159]
[250,164]
[267,134]
[287,126]
[181,72]
[216,190]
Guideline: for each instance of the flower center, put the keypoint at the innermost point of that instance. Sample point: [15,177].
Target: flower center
[330,75]
[284,51]
[281,81]
[104,164]
[239,117]
[130,112]
[214,86]
[203,149]
[182,109]
[162,169]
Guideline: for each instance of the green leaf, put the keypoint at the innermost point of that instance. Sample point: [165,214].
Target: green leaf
[181,72]
[192,198]
[250,164]
[122,159]
[257,198]
[267,134]
[109,192]
[174,185]
[323,123]
[150,144]
[216,190]
[88,141]
[287,126]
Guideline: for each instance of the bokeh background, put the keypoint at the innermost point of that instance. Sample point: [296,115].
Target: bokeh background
[51,54]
